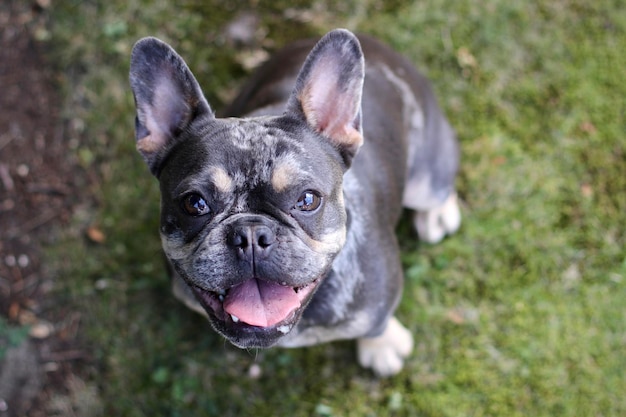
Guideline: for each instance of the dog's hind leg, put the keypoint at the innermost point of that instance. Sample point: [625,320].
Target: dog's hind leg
[385,354]
[432,165]
[434,224]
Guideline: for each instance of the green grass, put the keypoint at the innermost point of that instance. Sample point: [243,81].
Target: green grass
[11,336]
[522,313]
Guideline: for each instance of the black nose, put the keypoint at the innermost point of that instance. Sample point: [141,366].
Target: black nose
[252,240]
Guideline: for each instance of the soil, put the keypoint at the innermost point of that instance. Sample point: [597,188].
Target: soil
[38,182]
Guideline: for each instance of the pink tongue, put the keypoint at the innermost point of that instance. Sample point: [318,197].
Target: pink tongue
[261,303]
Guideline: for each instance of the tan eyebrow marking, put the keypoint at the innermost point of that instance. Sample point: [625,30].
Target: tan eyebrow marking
[222,181]
[284,174]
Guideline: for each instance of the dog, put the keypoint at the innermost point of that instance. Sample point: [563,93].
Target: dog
[278,219]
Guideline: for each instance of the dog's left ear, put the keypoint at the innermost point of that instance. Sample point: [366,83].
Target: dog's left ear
[167,96]
[328,91]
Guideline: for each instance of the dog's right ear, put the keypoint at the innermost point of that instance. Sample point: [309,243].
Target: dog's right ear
[167,98]
[328,91]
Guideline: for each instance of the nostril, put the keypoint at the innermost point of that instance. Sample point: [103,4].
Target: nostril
[265,238]
[251,240]
[239,239]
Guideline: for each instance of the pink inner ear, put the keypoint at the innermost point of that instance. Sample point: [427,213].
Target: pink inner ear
[332,109]
[162,116]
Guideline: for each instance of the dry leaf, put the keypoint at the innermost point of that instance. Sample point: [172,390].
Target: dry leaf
[95,234]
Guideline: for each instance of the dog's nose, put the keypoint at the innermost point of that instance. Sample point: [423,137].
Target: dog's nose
[252,240]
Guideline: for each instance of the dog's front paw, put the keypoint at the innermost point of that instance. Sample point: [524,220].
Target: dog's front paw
[385,354]
[433,225]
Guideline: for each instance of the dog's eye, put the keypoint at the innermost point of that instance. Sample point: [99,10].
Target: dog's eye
[195,205]
[308,201]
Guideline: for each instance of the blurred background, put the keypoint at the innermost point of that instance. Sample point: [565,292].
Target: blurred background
[521,313]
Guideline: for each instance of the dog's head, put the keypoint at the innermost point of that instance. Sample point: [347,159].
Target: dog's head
[252,211]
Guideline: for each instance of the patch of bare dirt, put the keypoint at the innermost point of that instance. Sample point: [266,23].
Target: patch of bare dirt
[39,185]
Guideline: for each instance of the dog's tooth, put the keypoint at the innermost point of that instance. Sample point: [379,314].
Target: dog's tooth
[221,297]
[284,329]
[234,318]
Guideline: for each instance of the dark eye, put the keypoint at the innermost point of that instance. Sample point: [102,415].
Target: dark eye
[195,205]
[308,201]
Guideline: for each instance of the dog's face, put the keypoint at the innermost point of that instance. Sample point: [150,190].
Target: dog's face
[252,223]
[252,211]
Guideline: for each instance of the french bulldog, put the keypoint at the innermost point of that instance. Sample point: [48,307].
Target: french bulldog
[278,218]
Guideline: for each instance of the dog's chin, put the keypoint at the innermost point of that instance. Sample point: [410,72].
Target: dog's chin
[250,331]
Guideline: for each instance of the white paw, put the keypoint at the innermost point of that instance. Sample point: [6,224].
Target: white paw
[385,354]
[433,225]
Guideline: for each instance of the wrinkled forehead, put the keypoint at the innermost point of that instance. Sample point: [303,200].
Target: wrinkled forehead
[244,153]
[255,152]
[261,136]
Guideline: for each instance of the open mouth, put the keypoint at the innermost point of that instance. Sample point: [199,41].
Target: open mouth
[257,303]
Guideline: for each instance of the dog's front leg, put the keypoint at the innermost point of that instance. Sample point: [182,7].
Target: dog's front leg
[385,354]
